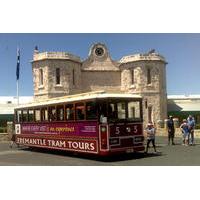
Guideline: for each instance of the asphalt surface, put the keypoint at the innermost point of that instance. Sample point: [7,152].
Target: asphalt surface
[168,155]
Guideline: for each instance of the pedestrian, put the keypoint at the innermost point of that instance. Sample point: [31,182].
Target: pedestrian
[171,130]
[191,126]
[150,130]
[185,131]
[13,140]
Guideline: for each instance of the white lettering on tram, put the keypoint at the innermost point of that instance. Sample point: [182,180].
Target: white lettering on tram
[56,143]
[76,145]
[32,141]
[81,145]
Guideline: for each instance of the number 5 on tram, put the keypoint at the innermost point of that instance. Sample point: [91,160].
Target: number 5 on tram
[97,123]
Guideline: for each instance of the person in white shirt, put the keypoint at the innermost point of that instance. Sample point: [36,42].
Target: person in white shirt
[150,130]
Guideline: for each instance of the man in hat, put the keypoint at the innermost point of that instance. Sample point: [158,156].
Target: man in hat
[171,130]
[150,130]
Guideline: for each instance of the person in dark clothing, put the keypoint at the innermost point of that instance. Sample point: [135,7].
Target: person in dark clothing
[171,130]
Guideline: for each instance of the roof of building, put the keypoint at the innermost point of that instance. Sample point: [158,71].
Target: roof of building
[193,96]
[184,106]
[8,103]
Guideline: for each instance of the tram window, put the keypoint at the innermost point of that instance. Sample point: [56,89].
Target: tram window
[69,110]
[25,116]
[102,109]
[19,116]
[91,110]
[134,110]
[80,114]
[60,113]
[112,111]
[44,114]
[121,110]
[37,115]
[52,114]
[30,115]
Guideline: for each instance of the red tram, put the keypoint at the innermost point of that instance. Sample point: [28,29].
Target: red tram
[98,123]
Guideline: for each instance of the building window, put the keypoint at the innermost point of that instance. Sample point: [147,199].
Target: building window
[73,76]
[41,77]
[150,113]
[57,76]
[133,76]
[148,76]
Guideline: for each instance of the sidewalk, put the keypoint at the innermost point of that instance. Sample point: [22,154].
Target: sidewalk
[163,141]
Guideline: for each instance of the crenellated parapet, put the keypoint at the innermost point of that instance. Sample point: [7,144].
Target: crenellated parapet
[143,57]
[55,55]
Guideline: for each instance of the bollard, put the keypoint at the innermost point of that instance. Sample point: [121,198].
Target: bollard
[10,129]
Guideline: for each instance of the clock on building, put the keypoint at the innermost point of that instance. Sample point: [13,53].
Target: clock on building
[99,51]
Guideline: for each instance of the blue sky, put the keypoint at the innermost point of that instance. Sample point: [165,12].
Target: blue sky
[182,52]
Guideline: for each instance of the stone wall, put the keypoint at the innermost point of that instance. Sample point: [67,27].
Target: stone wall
[163,132]
[101,80]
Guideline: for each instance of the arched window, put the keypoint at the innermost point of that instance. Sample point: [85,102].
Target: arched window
[148,76]
[73,74]
[150,113]
[57,76]
[41,77]
[133,76]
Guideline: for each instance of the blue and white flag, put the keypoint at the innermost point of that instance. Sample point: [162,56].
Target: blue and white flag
[18,64]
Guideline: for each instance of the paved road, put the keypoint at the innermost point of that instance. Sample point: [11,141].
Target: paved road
[176,155]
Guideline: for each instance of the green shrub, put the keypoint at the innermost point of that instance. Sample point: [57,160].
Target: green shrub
[3,130]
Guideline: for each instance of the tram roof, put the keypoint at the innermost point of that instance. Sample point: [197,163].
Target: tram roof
[79,97]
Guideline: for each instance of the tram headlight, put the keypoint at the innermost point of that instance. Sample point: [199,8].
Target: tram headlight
[103,129]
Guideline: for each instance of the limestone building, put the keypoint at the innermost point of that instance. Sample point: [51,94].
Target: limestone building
[60,73]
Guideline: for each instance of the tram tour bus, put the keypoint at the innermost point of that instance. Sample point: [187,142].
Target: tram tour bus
[96,123]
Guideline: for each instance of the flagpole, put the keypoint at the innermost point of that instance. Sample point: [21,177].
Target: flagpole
[17,74]
[18,92]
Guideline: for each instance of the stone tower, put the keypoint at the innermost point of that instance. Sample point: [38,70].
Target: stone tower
[145,74]
[55,74]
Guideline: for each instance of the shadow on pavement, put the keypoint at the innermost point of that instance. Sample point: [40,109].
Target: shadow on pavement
[113,158]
